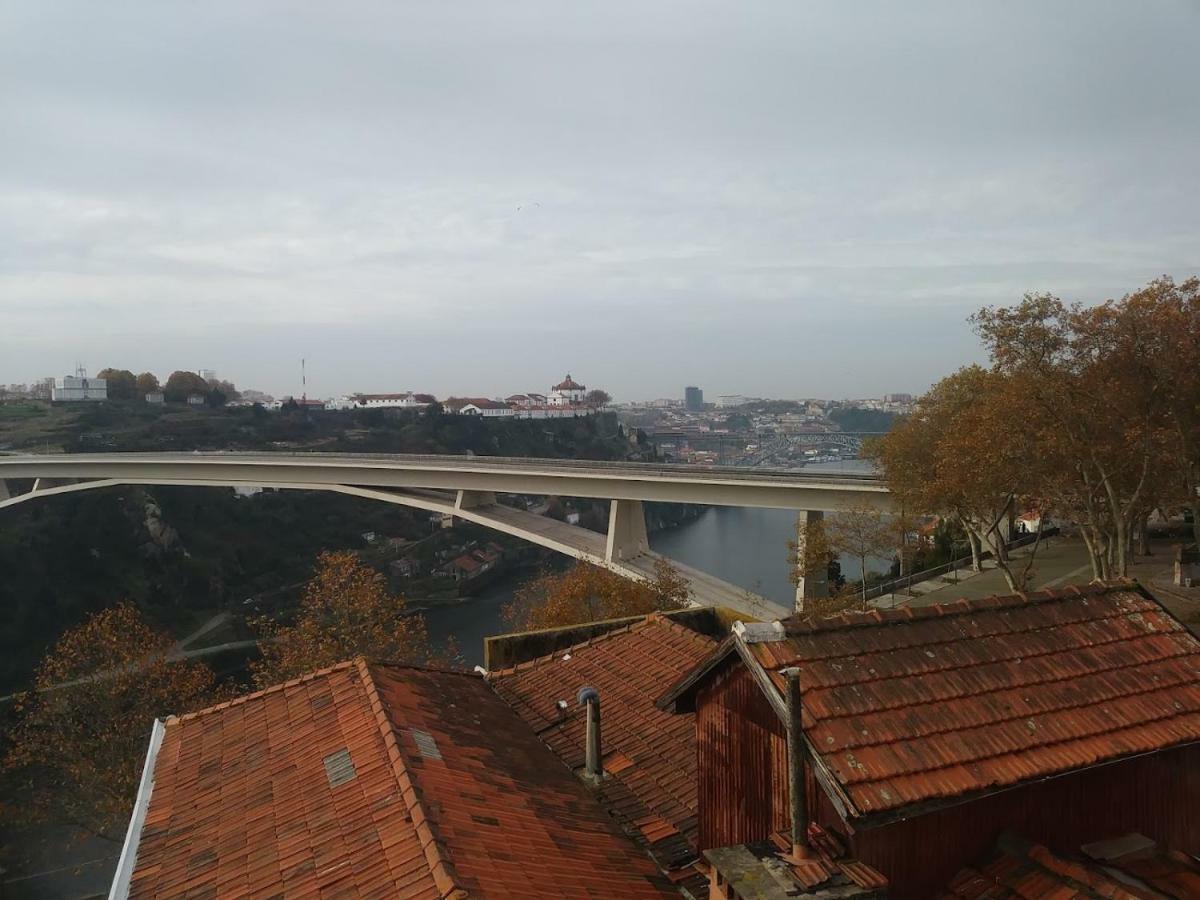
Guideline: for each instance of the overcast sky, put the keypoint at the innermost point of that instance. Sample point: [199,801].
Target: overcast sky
[779,199]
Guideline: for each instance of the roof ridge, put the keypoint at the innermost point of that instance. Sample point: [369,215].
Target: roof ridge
[664,617]
[652,618]
[795,626]
[262,692]
[440,864]
[419,667]
[546,657]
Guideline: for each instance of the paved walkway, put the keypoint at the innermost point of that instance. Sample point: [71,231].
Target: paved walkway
[1061,561]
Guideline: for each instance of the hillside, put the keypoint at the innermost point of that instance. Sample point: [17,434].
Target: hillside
[183,554]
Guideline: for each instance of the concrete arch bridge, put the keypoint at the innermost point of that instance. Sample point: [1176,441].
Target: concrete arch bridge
[467,487]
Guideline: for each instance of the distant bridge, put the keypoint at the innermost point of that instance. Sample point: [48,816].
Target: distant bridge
[852,440]
[466,487]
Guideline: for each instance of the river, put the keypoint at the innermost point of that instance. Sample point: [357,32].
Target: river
[744,546]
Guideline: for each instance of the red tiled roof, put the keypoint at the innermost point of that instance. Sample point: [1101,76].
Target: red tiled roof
[916,705]
[1018,868]
[650,754]
[568,384]
[466,562]
[445,793]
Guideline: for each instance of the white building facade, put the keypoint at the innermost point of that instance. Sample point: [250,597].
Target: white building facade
[406,400]
[77,388]
[567,392]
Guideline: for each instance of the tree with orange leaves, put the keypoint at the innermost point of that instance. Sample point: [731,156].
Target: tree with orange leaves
[973,451]
[589,593]
[76,752]
[346,611]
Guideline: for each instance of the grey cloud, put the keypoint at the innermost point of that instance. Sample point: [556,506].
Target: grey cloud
[779,199]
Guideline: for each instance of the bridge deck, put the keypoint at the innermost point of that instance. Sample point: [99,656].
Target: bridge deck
[424,482]
[729,486]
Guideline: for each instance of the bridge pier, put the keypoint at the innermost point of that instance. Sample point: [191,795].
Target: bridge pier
[474,499]
[4,492]
[626,530]
[815,586]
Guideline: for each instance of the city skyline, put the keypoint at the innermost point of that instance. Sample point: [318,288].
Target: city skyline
[811,199]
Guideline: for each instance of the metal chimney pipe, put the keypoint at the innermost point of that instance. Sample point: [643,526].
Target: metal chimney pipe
[590,697]
[796,757]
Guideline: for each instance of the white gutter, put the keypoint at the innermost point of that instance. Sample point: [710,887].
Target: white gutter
[124,873]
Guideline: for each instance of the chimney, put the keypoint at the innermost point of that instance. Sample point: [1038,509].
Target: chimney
[796,756]
[590,697]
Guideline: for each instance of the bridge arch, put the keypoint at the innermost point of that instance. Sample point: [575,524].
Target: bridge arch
[466,488]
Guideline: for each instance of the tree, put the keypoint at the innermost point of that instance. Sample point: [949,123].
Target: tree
[860,532]
[738,422]
[589,593]
[597,398]
[80,739]
[972,451]
[180,385]
[346,611]
[225,389]
[1171,314]
[147,383]
[121,383]
[1087,375]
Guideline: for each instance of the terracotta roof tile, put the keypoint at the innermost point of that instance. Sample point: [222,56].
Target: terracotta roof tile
[370,780]
[978,696]
[650,754]
[1019,868]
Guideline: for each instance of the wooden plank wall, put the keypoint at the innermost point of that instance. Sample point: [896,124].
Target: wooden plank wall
[742,762]
[1157,795]
[743,797]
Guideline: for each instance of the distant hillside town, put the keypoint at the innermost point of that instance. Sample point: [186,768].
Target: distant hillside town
[567,399]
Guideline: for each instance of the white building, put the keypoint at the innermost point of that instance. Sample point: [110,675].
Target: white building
[489,409]
[78,387]
[725,401]
[208,374]
[552,412]
[406,400]
[567,393]
[526,401]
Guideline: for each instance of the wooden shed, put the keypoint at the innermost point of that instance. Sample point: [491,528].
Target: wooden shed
[1066,716]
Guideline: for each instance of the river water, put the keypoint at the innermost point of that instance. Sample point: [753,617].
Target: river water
[746,547]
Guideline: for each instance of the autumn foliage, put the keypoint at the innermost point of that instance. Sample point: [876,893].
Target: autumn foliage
[1091,413]
[346,611]
[77,750]
[589,593]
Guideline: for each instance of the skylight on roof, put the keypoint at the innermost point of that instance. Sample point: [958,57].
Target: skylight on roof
[339,768]
[426,745]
